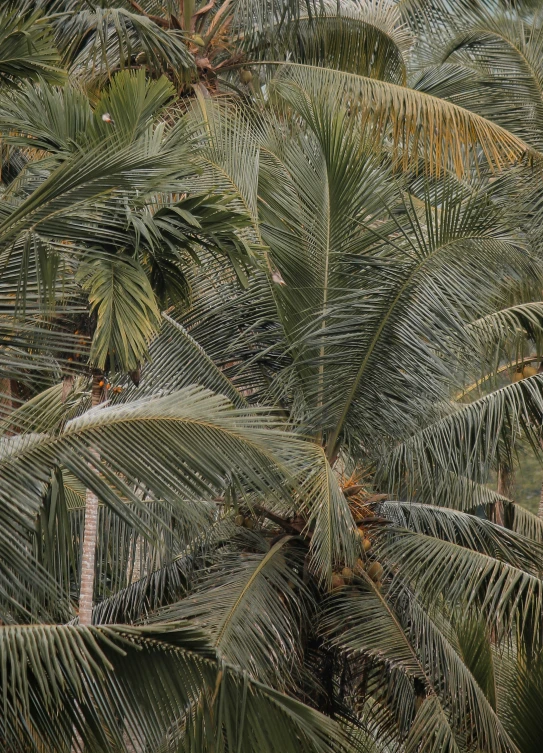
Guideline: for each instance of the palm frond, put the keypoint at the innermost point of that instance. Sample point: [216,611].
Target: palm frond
[470,437]
[329,518]
[168,446]
[468,531]
[252,605]
[176,360]
[81,686]
[100,41]
[396,632]
[419,125]
[127,315]
[27,47]
[365,38]
[505,594]
[497,60]
[157,588]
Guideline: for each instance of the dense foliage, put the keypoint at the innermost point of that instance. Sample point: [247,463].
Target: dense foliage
[271,319]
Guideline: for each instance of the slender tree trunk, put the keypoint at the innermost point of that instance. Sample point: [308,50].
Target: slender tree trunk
[506,482]
[67,384]
[90,530]
[6,404]
[540,509]
[9,401]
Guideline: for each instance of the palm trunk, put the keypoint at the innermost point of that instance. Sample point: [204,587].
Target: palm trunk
[506,482]
[540,509]
[90,530]
[9,401]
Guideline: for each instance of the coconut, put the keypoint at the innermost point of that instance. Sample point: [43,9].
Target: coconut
[245,76]
[337,582]
[347,574]
[249,523]
[197,39]
[375,571]
[366,544]
[239,520]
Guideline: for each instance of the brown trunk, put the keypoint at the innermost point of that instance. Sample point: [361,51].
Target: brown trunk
[67,385]
[540,509]
[506,482]
[9,401]
[6,404]
[90,530]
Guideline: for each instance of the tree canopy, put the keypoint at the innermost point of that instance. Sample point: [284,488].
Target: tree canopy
[271,321]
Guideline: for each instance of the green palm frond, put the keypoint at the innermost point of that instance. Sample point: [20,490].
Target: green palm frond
[127,315]
[498,57]
[329,519]
[456,491]
[504,593]
[251,605]
[169,444]
[229,158]
[163,374]
[170,234]
[364,622]
[470,437]
[49,410]
[157,588]
[97,42]
[45,117]
[519,691]
[367,39]
[468,531]
[62,121]
[102,675]
[526,523]
[409,649]
[27,46]
[476,652]
[508,332]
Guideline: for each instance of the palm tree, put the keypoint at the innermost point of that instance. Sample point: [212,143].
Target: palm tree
[293,517]
[107,181]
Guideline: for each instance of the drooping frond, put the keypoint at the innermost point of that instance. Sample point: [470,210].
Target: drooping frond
[329,519]
[470,437]
[177,361]
[123,302]
[397,633]
[113,688]
[182,448]
[505,593]
[253,606]
[97,42]
[468,531]
[496,61]
[418,124]
[27,46]
[366,38]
